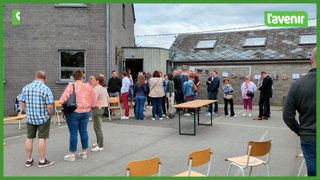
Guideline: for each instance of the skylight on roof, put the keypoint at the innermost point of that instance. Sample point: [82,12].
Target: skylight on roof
[206,44]
[308,39]
[255,41]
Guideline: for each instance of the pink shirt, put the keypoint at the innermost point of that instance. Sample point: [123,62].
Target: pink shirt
[85,96]
[246,87]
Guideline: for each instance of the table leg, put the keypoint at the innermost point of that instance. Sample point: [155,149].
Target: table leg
[179,122]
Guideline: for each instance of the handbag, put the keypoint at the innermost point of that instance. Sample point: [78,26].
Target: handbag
[70,105]
[250,94]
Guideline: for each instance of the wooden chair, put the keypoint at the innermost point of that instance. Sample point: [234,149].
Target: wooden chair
[198,158]
[114,103]
[302,163]
[19,118]
[254,149]
[145,167]
[57,108]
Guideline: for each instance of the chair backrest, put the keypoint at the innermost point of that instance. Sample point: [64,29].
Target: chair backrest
[200,157]
[145,167]
[114,100]
[57,104]
[258,148]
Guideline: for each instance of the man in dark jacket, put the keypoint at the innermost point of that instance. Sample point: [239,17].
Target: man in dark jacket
[114,85]
[265,95]
[302,98]
[213,84]
[178,87]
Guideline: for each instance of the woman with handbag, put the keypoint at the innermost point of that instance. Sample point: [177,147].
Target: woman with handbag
[247,91]
[99,87]
[227,97]
[77,120]
[156,93]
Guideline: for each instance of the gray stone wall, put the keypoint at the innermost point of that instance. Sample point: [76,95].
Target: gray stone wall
[46,29]
[280,86]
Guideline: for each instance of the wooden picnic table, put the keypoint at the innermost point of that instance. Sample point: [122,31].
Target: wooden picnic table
[196,105]
[14,118]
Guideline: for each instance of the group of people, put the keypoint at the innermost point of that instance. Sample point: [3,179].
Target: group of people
[36,99]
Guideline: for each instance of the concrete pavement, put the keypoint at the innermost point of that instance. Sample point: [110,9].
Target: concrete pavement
[127,140]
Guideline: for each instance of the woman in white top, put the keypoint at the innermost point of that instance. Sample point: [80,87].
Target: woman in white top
[246,86]
[99,87]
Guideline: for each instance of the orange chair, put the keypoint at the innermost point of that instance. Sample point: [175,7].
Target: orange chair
[254,149]
[145,167]
[198,158]
[114,103]
[57,108]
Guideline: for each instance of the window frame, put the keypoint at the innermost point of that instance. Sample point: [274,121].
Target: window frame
[307,43]
[251,37]
[206,48]
[60,66]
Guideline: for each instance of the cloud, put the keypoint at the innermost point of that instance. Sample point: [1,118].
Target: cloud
[179,18]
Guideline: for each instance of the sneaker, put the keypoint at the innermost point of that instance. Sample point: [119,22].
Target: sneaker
[216,114]
[243,115]
[133,103]
[208,114]
[124,117]
[70,157]
[153,119]
[45,163]
[90,118]
[97,149]
[94,145]
[29,163]
[82,155]
[227,115]
[234,116]
[249,115]
[161,119]
[187,114]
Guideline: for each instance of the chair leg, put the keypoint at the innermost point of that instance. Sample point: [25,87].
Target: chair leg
[301,166]
[267,169]
[250,172]
[58,118]
[109,114]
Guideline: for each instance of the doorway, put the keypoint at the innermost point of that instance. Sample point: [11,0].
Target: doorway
[135,65]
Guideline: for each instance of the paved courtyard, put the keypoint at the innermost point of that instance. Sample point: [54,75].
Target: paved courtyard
[127,140]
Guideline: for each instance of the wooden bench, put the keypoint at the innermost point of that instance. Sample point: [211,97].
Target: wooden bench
[15,118]
[196,105]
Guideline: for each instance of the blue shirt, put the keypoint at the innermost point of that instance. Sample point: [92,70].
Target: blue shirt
[188,88]
[36,96]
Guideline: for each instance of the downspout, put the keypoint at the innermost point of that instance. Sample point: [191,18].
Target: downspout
[108,62]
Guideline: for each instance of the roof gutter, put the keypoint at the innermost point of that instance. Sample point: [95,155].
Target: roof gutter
[107,34]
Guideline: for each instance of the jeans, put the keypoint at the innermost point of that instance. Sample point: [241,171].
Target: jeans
[310,154]
[131,94]
[97,119]
[116,94]
[156,107]
[163,104]
[213,96]
[124,99]
[226,102]
[78,122]
[140,100]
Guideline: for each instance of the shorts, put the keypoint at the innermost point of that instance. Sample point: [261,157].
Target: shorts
[43,130]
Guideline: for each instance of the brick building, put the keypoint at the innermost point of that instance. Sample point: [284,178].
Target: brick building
[59,38]
[283,53]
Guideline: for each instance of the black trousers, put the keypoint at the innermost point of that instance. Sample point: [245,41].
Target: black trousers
[264,107]
[226,102]
[213,96]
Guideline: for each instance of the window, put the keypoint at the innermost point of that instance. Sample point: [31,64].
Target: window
[255,41]
[308,39]
[70,5]
[69,61]
[206,44]
[123,14]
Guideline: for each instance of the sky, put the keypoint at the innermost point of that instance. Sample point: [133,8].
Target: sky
[154,19]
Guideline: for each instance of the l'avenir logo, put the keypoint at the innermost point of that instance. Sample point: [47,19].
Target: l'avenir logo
[286,18]
[15,17]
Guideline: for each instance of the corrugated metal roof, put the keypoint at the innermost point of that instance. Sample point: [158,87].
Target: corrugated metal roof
[282,43]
